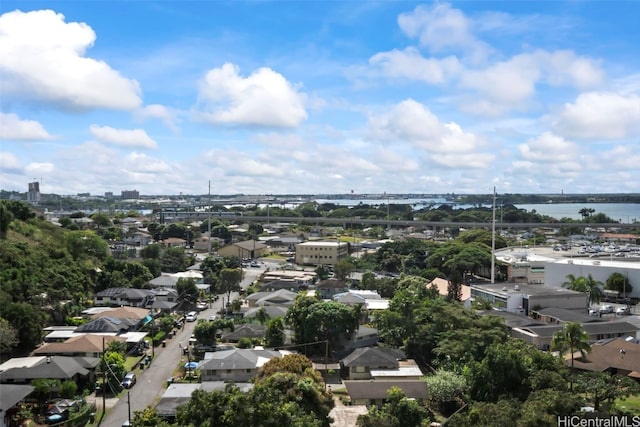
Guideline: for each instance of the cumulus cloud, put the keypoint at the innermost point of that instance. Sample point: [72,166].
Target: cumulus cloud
[409,63]
[511,83]
[548,148]
[264,98]
[600,115]
[412,122]
[9,162]
[441,28]
[123,137]
[16,129]
[156,111]
[42,57]
[39,168]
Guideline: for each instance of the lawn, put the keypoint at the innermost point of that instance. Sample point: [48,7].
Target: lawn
[631,403]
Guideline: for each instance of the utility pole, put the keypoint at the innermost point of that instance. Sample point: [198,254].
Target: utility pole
[104,380]
[209,221]
[493,239]
[129,406]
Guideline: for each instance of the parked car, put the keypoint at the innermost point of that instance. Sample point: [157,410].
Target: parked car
[622,311]
[594,312]
[129,380]
[192,316]
[605,309]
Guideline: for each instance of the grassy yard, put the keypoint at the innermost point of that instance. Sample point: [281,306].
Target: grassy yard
[632,403]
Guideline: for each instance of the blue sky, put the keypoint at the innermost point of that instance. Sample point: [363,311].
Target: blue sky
[321,97]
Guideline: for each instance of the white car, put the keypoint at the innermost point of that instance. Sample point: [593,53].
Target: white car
[621,311]
[605,309]
[192,316]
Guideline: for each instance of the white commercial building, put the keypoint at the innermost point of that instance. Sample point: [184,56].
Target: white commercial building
[556,272]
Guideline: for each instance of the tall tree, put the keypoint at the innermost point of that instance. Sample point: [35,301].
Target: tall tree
[571,338]
[275,335]
[230,279]
[587,285]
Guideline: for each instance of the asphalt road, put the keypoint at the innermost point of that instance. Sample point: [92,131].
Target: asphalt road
[152,381]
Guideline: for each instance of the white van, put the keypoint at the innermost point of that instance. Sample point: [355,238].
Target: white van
[192,316]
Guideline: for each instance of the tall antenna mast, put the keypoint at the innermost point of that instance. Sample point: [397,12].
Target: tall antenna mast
[493,239]
[209,221]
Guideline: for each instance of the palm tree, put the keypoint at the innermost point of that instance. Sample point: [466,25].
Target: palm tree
[587,285]
[262,316]
[571,337]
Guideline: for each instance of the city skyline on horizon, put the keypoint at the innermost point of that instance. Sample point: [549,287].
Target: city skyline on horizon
[320,97]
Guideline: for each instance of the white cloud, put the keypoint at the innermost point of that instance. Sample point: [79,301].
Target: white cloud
[123,137]
[548,148]
[39,168]
[409,63]
[13,128]
[156,111]
[512,83]
[9,162]
[442,28]
[42,58]
[412,122]
[264,98]
[600,115]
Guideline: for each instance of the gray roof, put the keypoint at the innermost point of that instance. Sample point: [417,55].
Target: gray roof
[513,320]
[246,330]
[597,328]
[373,356]
[107,324]
[331,284]
[10,394]
[272,310]
[180,394]
[164,280]
[50,367]
[281,296]
[371,389]
[237,359]
[128,293]
[565,315]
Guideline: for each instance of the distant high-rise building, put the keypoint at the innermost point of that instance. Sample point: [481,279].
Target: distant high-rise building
[108,194]
[130,194]
[33,196]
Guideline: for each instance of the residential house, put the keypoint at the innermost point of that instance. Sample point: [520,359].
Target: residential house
[165,280]
[250,249]
[179,394]
[173,242]
[370,301]
[245,330]
[359,363]
[11,395]
[290,285]
[364,336]
[370,392]
[302,277]
[282,298]
[616,356]
[83,345]
[237,365]
[124,296]
[23,370]
[326,289]
[273,311]
[442,286]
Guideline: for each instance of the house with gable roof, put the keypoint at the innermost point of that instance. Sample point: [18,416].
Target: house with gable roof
[238,365]
[282,297]
[359,364]
[23,370]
